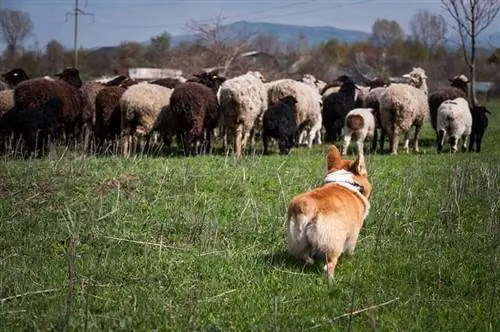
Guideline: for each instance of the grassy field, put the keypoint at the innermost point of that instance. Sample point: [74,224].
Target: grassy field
[199,244]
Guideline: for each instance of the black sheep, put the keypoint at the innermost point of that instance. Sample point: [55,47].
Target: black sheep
[479,125]
[14,77]
[279,122]
[195,111]
[336,106]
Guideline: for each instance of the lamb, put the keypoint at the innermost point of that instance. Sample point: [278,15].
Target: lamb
[63,94]
[479,125]
[242,100]
[140,106]
[336,106]
[455,119]
[280,123]
[403,106]
[195,110]
[308,107]
[359,123]
[458,89]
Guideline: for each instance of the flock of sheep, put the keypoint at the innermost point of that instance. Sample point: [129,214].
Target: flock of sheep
[37,111]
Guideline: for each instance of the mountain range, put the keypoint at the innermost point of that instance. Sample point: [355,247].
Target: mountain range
[288,33]
[285,33]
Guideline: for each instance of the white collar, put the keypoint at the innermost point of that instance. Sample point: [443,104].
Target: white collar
[346,179]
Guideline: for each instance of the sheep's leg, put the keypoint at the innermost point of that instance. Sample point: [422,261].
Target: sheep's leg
[126,144]
[383,134]
[265,142]
[238,140]
[418,128]
[479,138]
[347,141]
[374,141]
[406,146]
[472,142]
[361,142]
[394,140]
[464,145]
[440,140]
[311,136]
[454,144]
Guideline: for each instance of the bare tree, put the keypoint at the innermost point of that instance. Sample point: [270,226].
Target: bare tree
[386,32]
[224,46]
[15,27]
[471,17]
[429,29]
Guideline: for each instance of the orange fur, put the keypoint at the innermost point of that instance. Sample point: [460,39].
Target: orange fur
[328,219]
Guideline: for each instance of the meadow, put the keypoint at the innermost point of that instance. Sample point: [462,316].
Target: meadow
[199,244]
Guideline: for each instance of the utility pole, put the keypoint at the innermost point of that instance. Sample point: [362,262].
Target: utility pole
[76,12]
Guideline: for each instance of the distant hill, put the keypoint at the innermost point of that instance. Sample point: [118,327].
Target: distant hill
[284,33]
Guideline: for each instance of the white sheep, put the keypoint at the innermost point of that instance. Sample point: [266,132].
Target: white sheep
[242,100]
[141,107]
[403,106]
[359,123]
[308,107]
[455,119]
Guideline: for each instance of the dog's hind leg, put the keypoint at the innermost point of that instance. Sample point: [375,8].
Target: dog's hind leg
[331,257]
[350,243]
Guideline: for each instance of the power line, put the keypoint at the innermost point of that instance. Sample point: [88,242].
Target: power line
[77,12]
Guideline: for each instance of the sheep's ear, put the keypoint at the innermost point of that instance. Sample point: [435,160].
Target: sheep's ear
[359,166]
[333,158]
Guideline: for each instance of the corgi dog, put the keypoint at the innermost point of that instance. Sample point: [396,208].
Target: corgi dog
[327,220]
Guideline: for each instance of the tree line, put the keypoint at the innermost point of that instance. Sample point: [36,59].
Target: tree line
[389,51]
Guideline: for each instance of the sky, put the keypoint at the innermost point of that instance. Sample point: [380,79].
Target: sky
[114,21]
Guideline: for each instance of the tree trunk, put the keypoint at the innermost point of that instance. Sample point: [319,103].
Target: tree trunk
[472,63]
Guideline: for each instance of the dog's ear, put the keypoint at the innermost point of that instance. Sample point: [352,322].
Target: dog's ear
[359,166]
[334,158]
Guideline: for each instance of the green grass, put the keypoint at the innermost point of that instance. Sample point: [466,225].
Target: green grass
[184,244]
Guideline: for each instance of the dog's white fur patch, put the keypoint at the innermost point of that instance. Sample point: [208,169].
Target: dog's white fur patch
[345,179]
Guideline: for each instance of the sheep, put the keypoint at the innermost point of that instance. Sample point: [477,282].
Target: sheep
[140,106]
[12,78]
[313,82]
[63,94]
[90,90]
[458,89]
[108,114]
[195,110]
[403,106]
[169,82]
[479,125]
[455,119]
[279,122]
[308,107]
[336,106]
[359,123]
[242,100]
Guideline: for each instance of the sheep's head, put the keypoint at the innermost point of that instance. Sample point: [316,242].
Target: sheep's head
[417,77]
[258,75]
[460,82]
[15,76]
[211,79]
[70,75]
